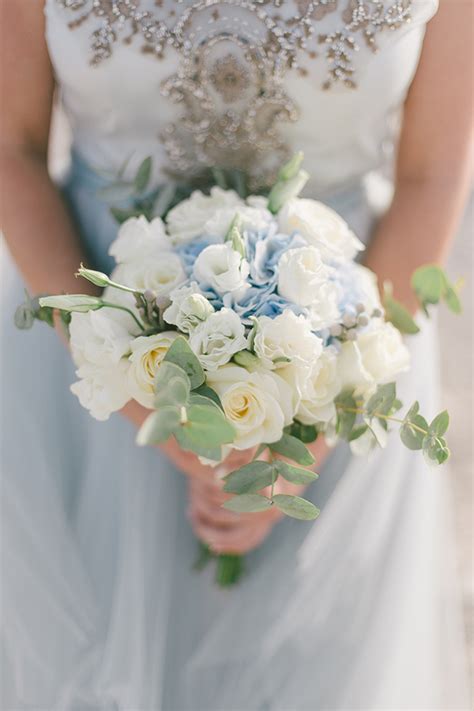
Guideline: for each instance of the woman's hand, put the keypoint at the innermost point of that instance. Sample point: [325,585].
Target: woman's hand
[228,532]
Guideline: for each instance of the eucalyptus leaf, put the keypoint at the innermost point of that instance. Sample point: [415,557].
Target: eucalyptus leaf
[382,400]
[305,433]
[296,507]
[440,424]
[142,177]
[175,393]
[122,215]
[429,283]
[358,432]
[248,503]
[296,475]
[206,427]
[410,435]
[46,314]
[24,316]
[159,426]
[398,315]
[345,417]
[181,354]
[250,478]
[209,393]
[435,449]
[293,449]
[452,300]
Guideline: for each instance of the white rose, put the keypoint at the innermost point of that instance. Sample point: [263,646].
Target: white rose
[321,386]
[258,404]
[102,390]
[217,338]
[187,220]
[304,279]
[285,338]
[366,282]
[383,353]
[161,274]
[352,372]
[222,268]
[189,307]
[320,226]
[139,239]
[147,354]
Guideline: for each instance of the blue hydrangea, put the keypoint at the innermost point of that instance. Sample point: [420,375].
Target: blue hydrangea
[264,249]
[190,251]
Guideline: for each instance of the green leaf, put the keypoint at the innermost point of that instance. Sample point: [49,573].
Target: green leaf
[208,392]
[159,426]
[122,216]
[397,314]
[250,478]
[382,400]
[181,354]
[172,386]
[46,314]
[295,475]
[411,437]
[248,503]
[24,316]
[292,167]
[246,359]
[345,419]
[358,432]
[305,433]
[206,427]
[80,303]
[293,449]
[452,300]
[440,424]
[435,449]
[296,507]
[142,177]
[118,191]
[429,283]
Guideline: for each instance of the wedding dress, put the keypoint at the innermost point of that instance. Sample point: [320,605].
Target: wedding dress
[101,607]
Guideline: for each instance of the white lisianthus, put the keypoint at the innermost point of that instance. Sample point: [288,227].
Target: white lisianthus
[147,354]
[285,338]
[102,390]
[257,404]
[320,387]
[99,340]
[304,279]
[161,274]
[217,338]
[320,226]
[100,337]
[139,240]
[383,353]
[255,218]
[187,220]
[222,268]
[189,307]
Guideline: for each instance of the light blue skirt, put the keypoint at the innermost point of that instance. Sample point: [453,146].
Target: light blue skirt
[102,609]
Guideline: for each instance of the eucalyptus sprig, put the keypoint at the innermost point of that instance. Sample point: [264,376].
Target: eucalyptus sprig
[431,286]
[355,418]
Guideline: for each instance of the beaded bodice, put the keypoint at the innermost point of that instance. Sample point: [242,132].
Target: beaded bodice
[235,83]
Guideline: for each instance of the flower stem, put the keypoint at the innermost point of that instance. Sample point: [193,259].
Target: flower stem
[124,308]
[361,411]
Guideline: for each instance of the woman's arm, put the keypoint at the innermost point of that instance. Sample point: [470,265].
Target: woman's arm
[434,157]
[34,219]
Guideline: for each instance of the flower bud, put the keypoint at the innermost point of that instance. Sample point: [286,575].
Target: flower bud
[97,278]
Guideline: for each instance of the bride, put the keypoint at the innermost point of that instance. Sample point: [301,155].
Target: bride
[101,607]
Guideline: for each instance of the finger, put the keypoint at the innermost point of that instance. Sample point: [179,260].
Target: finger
[213,493]
[237,539]
[213,515]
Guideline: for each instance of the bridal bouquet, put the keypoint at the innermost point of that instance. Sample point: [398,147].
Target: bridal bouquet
[246,323]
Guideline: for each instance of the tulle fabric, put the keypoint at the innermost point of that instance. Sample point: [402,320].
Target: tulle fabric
[103,611]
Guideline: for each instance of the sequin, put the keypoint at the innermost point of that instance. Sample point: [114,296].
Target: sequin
[233,57]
